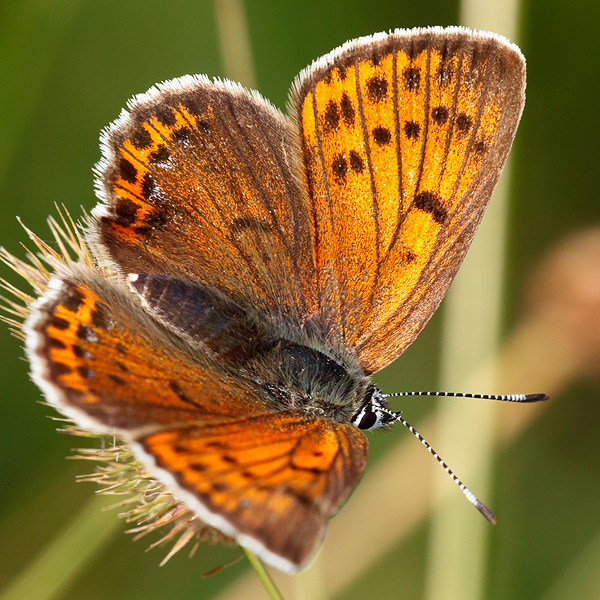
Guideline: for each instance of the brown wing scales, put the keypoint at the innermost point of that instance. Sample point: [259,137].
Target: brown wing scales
[108,361]
[202,175]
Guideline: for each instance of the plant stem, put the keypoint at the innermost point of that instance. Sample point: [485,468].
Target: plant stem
[263,575]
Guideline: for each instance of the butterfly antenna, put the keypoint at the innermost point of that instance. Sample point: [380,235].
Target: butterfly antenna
[503,398]
[480,506]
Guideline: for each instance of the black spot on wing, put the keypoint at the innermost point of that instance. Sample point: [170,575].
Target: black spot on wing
[123,212]
[356,162]
[58,323]
[165,114]
[463,122]
[440,114]
[161,154]
[331,118]
[412,130]
[433,204]
[339,166]
[377,88]
[140,138]
[347,109]
[72,300]
[382,136]
[411,77]
[127,171]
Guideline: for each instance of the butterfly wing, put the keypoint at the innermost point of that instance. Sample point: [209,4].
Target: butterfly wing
[198,182]
[270,481]
[404,137]
[269,478]
[97,356]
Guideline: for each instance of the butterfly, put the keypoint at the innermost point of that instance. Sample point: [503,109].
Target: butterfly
[255,269]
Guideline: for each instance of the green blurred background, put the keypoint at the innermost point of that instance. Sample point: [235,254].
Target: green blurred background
[66,69]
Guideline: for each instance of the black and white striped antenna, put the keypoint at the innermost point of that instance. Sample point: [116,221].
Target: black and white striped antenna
[480,506]
[503,398]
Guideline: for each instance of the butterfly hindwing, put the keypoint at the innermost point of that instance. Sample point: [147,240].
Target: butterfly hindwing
[272,482]
[100,358]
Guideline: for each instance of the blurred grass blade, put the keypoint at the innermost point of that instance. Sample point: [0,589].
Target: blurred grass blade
[31,37]
[581,579]
[234,42]
[50,573]
[457,560]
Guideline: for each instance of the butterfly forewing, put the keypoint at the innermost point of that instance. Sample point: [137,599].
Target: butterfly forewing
[197,182]
[403,136]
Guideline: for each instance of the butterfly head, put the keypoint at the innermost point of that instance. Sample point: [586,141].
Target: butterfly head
[374,413]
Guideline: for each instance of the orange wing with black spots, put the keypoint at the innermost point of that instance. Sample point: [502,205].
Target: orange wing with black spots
[404,137]
[198,182]
[270,478]
[275,481]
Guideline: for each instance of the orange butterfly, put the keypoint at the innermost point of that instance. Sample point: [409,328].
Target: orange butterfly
[256,269]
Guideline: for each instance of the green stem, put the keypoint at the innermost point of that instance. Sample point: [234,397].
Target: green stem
[263,575]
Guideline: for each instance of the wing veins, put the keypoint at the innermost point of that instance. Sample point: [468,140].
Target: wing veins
[171,189]
[404,213]
[265,479]
[292,194]
[374,196]
[482,101]
[451,129]
[319,138]
[365,133]
[400,214]
[262,196]
[434,257]
[426,100]
[216,205]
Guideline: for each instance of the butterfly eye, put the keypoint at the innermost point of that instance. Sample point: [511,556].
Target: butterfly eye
[373,415]
[365,419]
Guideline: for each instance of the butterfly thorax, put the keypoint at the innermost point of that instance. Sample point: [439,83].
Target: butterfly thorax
[298,376]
